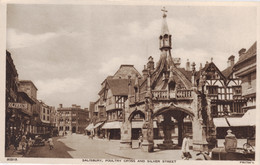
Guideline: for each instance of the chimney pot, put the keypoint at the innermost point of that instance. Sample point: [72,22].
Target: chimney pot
[242,51]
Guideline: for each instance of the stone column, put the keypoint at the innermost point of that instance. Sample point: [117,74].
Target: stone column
[126,135]
[167,131]
[148,144]
[126,128]
[147,131]
[199,136]
[180,131]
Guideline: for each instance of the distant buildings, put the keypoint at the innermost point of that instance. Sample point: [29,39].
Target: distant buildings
[72,119]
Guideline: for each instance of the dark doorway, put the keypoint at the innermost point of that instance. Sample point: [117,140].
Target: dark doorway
[73,129]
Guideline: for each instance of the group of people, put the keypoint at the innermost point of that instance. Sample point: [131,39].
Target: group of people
[22,140]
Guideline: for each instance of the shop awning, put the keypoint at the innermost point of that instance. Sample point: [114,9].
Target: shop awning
[98,124]
[139,124]
[249,119]
[220,122]
[90,127]
[112,125]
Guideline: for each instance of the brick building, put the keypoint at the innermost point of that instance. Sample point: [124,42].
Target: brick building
[72,119]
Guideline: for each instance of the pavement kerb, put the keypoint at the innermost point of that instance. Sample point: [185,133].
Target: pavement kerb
[117,155]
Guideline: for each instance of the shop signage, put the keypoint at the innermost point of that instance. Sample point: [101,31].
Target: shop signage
[17,105]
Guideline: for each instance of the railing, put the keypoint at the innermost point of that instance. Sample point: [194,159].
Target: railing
[183,94]
[160,94]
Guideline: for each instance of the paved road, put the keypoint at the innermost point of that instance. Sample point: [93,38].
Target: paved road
[75,146]
[60,150]
[89,148]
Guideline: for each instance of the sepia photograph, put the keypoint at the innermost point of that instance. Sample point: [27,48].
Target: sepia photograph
[130,83]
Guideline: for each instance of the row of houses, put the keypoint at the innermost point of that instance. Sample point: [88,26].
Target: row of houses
[25,114]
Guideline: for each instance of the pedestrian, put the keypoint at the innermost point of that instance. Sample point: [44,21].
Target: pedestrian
[23,143]
[50,141]
[16,142]
[185,148]
[140,140]
[108,136]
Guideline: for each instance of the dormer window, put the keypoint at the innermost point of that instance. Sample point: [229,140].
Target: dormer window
[166,36]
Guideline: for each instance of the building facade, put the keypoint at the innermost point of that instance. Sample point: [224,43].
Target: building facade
[108,109]
[12,124]
[72,119]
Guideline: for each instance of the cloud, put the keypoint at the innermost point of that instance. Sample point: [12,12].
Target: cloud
[18,39]
[55,86]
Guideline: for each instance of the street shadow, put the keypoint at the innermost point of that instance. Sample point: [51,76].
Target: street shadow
[60,150]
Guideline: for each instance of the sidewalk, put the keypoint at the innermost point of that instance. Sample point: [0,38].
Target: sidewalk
[11,152]
[156,155]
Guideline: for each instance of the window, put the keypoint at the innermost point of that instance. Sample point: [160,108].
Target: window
[43,117]
[237,90]
[120,101]
[43,110]
[61,128]
[48,118]
[48,112]
[229,93]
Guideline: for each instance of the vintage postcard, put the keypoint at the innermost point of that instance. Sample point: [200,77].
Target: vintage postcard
[129,82]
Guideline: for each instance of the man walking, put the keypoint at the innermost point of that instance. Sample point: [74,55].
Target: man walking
[186,148]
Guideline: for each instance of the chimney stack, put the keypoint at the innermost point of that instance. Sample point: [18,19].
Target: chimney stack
[231,61]
[187,65]
[200,66]
[60,105]
[74,105]
[145,72]
[241,52]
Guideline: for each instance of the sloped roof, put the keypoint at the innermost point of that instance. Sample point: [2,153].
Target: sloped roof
[250,53]
[124,71]
[226,72]
[206,67]
[186,73]
[119,87]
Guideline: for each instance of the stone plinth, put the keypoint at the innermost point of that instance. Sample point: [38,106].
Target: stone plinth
[147,146]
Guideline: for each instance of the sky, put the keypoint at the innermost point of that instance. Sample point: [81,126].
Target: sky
[68,50]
